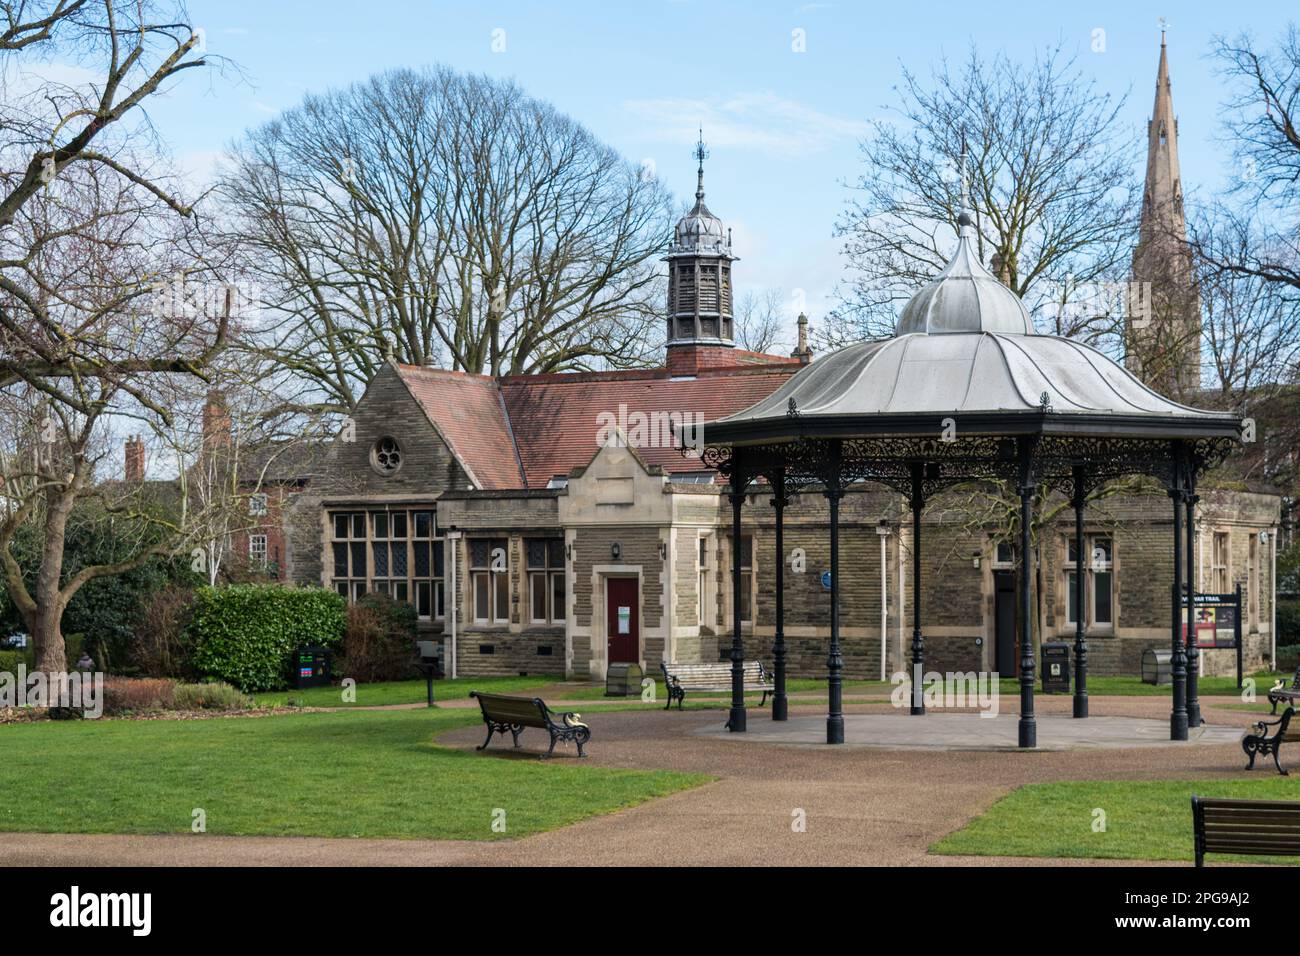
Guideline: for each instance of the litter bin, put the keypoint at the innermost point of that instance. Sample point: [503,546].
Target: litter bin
[1056,668]
[623,680]
[311,667]
[1157,666]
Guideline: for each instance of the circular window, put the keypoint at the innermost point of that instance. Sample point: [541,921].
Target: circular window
[386,456]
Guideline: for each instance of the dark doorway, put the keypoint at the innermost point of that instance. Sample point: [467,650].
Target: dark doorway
[622,620]
[1004,627]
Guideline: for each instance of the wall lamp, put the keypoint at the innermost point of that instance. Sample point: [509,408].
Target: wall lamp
[615,550]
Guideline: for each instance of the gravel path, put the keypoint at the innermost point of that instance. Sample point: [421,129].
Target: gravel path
[862,806]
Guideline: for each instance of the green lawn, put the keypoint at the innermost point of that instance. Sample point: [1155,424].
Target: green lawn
[1146,820]
[361,774]
[402,692]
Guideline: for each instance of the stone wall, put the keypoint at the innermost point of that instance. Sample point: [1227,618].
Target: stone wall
[345,474]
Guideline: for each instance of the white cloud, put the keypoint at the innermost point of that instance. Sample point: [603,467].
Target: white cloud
[761,121]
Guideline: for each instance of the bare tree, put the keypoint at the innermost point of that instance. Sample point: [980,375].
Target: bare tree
[94,235]
[1050,178]
[445,219]
[1263,126]
[60,142]
[760,320]
[1247,246]
[226,445]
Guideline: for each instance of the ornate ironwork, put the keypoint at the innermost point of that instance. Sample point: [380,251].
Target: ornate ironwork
[512,714]
[887,460]
[1260,744]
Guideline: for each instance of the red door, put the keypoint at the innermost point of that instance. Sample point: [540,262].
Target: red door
[622,622]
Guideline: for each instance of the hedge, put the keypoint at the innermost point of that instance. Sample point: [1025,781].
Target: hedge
[244,634]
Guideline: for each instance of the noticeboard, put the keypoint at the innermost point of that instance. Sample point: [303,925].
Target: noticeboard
[1218,617]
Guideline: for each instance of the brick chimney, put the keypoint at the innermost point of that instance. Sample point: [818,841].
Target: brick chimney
[216,421]
[135,458]
[802,351]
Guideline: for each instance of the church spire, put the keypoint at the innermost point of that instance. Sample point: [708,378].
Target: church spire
[1164,309]
[1162,201]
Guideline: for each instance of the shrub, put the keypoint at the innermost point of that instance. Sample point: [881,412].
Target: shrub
[379,643]
[1288,621]
[9,661]
[159,647]
[133,695]
[214,696]
[244,634]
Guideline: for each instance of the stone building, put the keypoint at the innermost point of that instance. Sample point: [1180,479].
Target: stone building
[552,523]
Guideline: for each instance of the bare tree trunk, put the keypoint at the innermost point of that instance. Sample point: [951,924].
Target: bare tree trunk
[46,619]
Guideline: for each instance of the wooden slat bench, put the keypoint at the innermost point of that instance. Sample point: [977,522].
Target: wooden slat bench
[1282,693]
[1261,744]
[502,713]
[681,678]
[1247,827]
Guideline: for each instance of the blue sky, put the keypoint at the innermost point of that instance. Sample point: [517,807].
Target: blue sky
[782,126]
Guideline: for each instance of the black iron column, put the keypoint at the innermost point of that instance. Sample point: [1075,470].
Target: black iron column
[736,717]
[1080,602]
[780,704]
[1193,651]
[1178,717]
[918,642]
[834,661]
[1028,726]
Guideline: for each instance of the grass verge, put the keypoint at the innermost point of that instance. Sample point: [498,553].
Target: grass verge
[1144,820]
[387,693]
[366,774]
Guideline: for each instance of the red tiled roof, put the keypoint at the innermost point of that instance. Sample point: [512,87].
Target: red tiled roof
[550,422]
[467,410]
[556,418]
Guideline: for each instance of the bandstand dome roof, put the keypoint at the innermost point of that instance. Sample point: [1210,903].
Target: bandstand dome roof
[965,346]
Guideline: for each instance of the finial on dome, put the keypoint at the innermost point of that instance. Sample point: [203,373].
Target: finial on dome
[701,154]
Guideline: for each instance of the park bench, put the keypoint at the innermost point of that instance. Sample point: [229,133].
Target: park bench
[502,713]
[1248,827]
[1260,744]
[681,678]
[1281,692]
